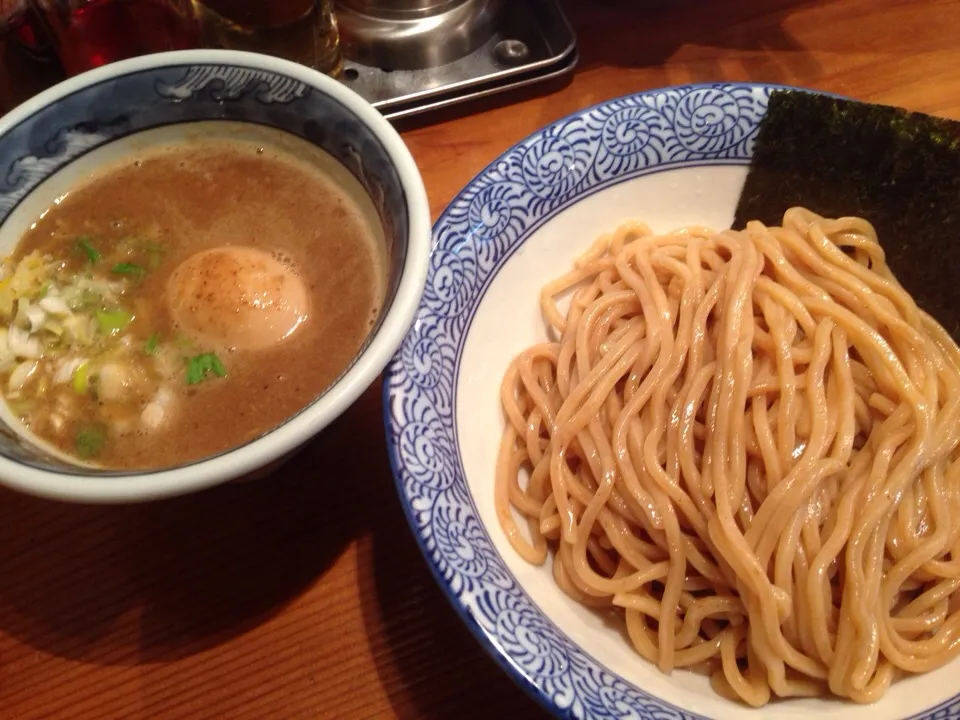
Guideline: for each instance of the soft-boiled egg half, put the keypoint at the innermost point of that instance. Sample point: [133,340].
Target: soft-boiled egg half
[238,297]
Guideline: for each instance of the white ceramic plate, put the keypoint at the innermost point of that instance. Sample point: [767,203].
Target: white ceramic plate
[670,157]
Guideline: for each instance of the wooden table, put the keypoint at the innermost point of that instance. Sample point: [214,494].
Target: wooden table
[305,595]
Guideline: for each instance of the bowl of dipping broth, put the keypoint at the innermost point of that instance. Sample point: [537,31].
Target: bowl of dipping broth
[207,257]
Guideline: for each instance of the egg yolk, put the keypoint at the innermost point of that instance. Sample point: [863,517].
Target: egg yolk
[236,297]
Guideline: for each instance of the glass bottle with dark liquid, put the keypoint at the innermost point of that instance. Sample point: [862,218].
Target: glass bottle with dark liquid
[28,63]
[90,33]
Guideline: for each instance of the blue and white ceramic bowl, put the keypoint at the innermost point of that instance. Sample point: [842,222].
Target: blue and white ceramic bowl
[670,157]
[59,137]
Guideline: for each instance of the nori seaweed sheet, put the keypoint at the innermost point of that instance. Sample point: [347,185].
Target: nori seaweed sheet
[900,170]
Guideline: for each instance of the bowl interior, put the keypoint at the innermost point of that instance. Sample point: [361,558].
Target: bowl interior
[126,149]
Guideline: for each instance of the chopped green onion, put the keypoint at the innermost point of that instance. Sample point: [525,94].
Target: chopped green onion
[44,289]
[199,365]
[129,269]
[93,255]
[112,321]
[88,298]
[90,440]
[81,378]
[150,346]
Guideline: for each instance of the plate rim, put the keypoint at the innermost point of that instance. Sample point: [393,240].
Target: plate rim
[394,369]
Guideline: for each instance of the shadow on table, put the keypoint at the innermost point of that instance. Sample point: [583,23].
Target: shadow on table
[405,612]
[134,584]
[646,33]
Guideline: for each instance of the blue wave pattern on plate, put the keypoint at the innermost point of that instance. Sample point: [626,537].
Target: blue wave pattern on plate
[499,209]
[117,107]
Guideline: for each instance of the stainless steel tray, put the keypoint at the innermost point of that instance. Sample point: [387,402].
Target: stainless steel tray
[532,42]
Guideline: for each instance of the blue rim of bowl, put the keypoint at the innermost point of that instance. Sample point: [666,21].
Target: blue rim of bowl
[395,368]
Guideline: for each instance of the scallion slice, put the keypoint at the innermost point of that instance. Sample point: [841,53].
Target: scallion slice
[113,321]
[200,365]
[84,246]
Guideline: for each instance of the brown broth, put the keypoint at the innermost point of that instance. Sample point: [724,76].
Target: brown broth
[210,193]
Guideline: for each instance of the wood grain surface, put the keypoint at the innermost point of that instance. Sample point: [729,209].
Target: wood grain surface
[304,596]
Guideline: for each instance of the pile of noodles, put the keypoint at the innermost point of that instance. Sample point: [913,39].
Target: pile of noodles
[748,442]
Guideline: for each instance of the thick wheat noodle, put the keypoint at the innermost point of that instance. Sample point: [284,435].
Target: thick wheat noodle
[749,442]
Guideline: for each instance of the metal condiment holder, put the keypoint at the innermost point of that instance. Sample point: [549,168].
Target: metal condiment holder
[411,56]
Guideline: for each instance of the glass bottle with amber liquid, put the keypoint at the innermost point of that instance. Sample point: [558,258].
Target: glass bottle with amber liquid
[304,31]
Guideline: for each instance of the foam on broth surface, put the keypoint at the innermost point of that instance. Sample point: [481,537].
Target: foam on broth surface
[216,191]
